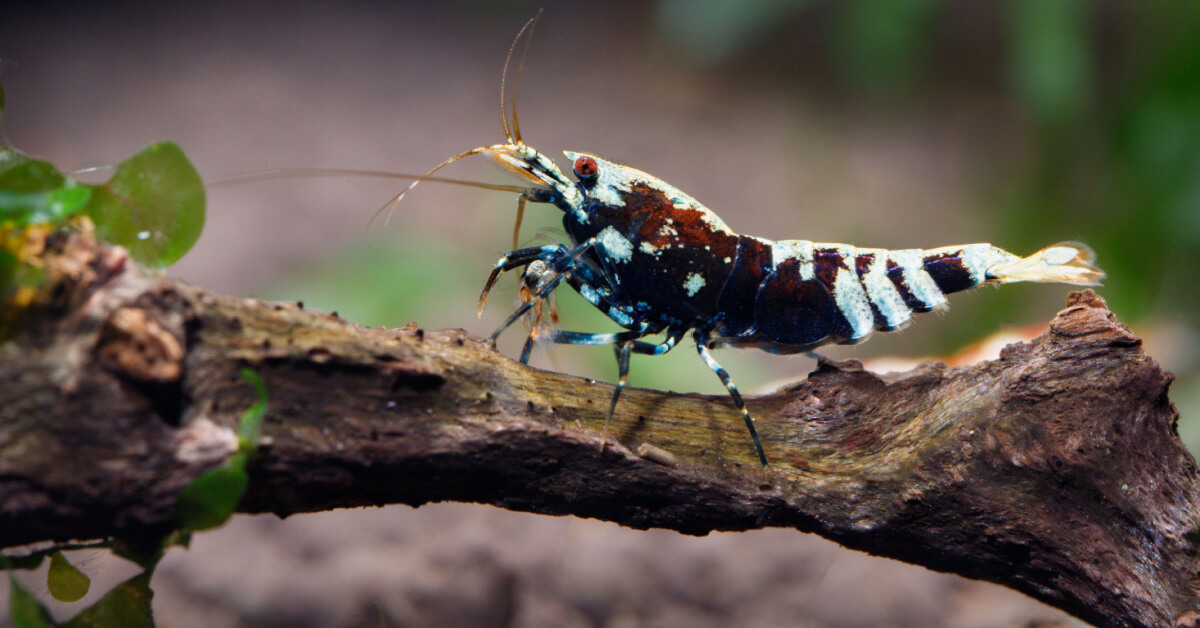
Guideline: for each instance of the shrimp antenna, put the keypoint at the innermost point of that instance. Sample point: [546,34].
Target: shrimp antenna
[292,173]
[298,173]
[391,205]
[512,132]
[531,24]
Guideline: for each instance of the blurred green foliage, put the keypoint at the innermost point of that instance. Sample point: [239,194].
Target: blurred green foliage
[709,31]
[881,45]
[1120,161]
[1050,65]
[379,262]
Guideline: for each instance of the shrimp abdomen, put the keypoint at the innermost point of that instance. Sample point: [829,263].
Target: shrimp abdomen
[813,294]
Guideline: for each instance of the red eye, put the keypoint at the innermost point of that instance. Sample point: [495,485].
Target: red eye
[586,168]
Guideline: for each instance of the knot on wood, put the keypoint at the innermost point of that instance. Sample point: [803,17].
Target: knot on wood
[133,345]
[1087,314]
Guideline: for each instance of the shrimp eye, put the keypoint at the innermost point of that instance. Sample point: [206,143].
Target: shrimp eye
[586,168]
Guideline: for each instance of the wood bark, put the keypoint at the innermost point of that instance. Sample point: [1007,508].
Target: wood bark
[1055,470]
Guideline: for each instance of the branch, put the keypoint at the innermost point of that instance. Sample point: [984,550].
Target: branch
[1055,470]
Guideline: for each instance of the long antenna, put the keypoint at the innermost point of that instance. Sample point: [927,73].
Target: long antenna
[511,133]
[396,199]
[531,24]
[299,173]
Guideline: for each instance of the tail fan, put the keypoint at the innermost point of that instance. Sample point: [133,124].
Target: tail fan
[1065,262]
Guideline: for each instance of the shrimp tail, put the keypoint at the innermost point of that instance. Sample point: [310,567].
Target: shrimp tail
[1065,262]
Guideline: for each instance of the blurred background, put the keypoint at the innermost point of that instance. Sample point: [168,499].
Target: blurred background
[880,123]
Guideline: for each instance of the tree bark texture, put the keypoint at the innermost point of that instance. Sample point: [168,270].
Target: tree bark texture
[1055,470]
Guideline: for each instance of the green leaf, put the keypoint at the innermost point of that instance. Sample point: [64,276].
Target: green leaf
[211,498]
[69,199]
[20,173]
[127,605]
[32,191]
[25,208]
[251,423]
[66,583]
[153,205]
[24,610]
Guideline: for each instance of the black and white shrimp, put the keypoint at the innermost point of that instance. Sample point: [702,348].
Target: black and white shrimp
[656,261]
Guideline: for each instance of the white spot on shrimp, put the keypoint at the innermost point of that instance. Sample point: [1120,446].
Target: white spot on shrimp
[920,285]
[799,250]
[589,294]
[693,284]
[621,318]
[976,258]
[615,245]
[713,220]
[649,249]
[851,299]
[882,292]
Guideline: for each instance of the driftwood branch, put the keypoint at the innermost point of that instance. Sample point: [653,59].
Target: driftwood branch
[1055,470]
